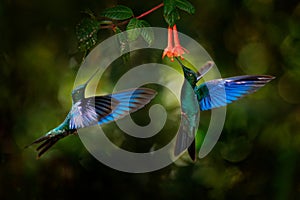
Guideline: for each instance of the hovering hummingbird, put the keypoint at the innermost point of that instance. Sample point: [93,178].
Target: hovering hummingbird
[90,111]
[207,96]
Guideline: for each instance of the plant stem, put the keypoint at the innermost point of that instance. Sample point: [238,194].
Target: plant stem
[138,17]
[150,11]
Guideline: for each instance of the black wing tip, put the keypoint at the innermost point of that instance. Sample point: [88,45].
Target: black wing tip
[258,80]
[148,90]
[144,90]
[262,80]
[265,78]
[147,94]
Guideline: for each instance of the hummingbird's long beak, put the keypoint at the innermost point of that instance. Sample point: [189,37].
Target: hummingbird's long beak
[182,65]
[178,60]
[202,71]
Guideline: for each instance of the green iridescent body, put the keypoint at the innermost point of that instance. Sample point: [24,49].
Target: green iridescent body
[189,110]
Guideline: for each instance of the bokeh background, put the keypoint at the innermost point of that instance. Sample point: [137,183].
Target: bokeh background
[257,156]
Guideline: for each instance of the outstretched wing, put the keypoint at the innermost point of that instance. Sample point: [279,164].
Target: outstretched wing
[104,109]
[220,92]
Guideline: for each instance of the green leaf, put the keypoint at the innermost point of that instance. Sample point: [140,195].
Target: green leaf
[86,32]
[185,6]
[147,33]
[169,6]
[133,30]
[118,13]
[172,18]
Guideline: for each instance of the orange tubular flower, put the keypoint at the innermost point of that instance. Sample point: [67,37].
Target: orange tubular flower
[178,50]
[169,50]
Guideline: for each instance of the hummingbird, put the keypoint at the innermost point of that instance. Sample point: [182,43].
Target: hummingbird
[207,96]
[94,110]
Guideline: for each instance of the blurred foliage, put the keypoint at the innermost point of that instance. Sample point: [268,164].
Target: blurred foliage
[257,156]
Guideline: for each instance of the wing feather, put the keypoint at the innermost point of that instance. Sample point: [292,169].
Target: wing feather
[104,109]
[220,92]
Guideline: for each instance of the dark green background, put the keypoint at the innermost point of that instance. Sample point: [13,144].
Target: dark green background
[257,156]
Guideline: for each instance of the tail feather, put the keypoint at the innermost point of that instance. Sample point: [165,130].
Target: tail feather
[47,142]
[46,145]
[192,150]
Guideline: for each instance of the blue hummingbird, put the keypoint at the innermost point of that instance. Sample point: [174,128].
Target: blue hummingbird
[90,111]
[209,95]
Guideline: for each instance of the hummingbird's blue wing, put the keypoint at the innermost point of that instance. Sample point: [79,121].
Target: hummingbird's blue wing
[104,109]
[220,92]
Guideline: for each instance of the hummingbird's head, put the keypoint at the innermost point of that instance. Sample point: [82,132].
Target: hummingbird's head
[189,75]
[78,93]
